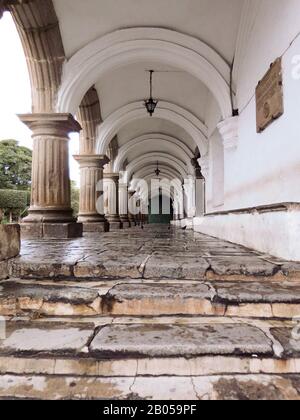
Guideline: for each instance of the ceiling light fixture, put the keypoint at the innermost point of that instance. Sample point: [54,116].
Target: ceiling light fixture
[151,104]
[157,171]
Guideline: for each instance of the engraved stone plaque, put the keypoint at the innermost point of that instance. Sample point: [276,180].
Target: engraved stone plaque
[269,97]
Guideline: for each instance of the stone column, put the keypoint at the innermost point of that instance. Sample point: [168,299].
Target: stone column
[123,205]
[112,187]
[229,130]
[50,213]
[137,216]
[91,212]
[2,8]
[131,216]
[189,189]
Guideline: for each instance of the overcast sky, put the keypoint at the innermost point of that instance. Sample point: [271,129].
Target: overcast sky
[15,96]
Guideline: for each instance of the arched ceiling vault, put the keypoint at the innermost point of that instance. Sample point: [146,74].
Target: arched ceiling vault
[135,45]
[98,72]
[166,143]
[165,111]
[170,161]
[166,172]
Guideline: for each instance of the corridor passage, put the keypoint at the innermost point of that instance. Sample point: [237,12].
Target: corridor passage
[151,252]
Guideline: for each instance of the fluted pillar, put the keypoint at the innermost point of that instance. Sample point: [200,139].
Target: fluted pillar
[50,213]
[131,216]
[112,192]
[123,205]
[91,210]
[2,8]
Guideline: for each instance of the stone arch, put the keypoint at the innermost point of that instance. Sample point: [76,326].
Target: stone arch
[165,110]
[132,45]
[150,157]
[183,151]
[166,172]
[89,116]
[38,28]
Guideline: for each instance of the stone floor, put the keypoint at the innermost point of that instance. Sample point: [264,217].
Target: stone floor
[152,252]
[153,313]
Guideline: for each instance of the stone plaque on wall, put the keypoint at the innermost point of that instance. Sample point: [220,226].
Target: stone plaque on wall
[269,97]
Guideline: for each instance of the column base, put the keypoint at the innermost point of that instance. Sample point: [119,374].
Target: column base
[126,225]
[114,222]
[113,226]
[51,230]
[100,227]
[125,221]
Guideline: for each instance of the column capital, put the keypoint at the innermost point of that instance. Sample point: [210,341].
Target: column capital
[52,124]
[204,164]
[91,161]
[113,176]
[229,130]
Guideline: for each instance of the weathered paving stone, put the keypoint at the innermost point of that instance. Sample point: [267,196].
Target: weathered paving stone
[16,297]
[257,292]
[118,266]
[248,266]
[159,291]
[64,388]
[174,254]
[160,299]
[237,387]
[289,338]
[40,269]
[247,388]
[45,340]
[176,268]
[174,341]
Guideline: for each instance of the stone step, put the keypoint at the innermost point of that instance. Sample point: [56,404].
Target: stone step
[192,388]
[150,347]
[146,259]
[150,298]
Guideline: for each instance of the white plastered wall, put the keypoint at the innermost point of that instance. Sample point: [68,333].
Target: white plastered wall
[264,169]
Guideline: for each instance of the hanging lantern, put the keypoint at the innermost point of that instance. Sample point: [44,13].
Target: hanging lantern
[151,104]
[157,171]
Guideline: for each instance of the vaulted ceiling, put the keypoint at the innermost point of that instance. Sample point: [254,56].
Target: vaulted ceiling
[215,23]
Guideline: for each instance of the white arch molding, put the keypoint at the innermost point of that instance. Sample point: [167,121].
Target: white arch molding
[182,150]
[165,110]
[134,45]
[166,172]
[170,161]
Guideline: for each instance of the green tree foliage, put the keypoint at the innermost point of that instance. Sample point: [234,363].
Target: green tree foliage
[15,165]
[74,198]
[12,199]
[13,203]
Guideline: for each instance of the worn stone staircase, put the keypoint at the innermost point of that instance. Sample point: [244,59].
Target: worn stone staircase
[125,336]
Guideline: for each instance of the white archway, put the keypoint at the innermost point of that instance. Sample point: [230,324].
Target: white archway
[165,110]
[178,146]
[134,45]
[166,172]
[142,161]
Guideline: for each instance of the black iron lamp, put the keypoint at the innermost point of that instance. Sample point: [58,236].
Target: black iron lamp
[157,171]
[151,104]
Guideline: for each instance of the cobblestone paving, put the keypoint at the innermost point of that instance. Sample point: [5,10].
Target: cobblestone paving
[153,313]
[152,252]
